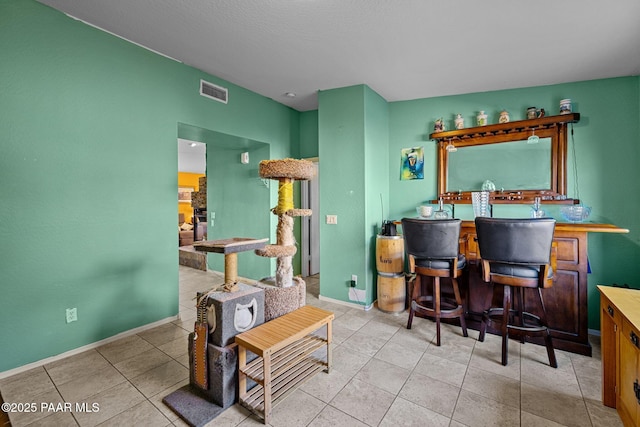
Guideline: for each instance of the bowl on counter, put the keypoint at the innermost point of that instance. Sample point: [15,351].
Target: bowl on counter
[575,213]
[424,211]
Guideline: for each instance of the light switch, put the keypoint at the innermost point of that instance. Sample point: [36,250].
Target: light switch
[332,219]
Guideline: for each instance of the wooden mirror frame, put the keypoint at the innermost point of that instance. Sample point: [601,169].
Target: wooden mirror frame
[554,127]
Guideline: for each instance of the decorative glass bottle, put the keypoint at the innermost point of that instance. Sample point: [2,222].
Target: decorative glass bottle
[441,213]
[536,210]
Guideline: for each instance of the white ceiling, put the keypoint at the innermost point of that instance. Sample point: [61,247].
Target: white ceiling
[192,156]
[403,49]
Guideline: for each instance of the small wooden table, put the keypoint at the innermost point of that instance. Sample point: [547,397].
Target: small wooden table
[230,248]
[285,348]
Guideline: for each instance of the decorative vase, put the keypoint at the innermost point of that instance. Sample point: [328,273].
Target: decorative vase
[439,125]
[488,185]
[504,117]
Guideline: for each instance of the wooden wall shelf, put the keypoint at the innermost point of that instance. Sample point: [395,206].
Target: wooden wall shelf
[506,128]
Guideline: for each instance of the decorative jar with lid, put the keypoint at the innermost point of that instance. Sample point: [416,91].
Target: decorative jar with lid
[482,118]
[504,117]
[459,121]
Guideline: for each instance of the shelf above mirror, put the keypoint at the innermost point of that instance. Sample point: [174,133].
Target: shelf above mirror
[520,167]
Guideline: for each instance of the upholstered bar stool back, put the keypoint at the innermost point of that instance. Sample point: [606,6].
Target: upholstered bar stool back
[432,250]
[516,255]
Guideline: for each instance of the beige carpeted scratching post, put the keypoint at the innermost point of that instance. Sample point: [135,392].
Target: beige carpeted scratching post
[283,300]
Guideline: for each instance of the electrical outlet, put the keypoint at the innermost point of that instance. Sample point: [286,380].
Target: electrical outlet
[354,280]
[72,314]
[332,219]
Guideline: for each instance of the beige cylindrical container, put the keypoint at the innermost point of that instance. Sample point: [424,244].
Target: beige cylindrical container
[389,255]
[392,293]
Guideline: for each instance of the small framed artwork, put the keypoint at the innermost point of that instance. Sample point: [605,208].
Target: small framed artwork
[184,194]
[412,163]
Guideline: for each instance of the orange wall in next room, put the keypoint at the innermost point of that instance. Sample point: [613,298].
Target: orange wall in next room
[187,179]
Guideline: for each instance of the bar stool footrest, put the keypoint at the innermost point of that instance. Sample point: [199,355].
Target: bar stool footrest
[531,324]
[448,308]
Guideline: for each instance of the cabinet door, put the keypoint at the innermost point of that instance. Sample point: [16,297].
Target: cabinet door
[629,353]
[609,344]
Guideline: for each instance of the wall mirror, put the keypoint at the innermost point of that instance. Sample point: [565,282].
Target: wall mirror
[504,154]
[524,166]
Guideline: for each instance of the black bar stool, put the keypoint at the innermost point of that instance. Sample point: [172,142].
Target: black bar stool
[432,249]
[516,255]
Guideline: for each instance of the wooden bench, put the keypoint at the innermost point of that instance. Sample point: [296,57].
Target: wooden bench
[285,348]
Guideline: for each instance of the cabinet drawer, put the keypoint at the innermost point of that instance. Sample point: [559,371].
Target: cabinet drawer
[630,333]
[610,310]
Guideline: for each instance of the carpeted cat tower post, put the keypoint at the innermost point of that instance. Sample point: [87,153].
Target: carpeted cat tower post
[284,293]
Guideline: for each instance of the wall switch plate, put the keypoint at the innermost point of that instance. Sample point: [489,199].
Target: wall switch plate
[72,314]
[332,219]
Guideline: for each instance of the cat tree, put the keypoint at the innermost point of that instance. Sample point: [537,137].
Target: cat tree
[284,293]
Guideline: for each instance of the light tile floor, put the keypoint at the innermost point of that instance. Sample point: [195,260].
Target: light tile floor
[382,375]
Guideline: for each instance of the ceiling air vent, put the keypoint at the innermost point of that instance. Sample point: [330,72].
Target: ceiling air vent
[219,93]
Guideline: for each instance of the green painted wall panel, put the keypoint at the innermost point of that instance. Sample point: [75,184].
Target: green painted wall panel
[353,140]
[376,176]
[342,188]
[89,173]
[308,134]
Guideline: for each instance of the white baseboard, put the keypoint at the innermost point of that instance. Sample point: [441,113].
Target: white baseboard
[91,346]
[348,304]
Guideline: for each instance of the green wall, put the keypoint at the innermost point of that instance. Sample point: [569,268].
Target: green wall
[353,140]
[607,147]
[308,147]
[89,178]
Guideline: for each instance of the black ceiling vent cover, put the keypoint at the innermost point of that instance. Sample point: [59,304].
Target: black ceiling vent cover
[219,93]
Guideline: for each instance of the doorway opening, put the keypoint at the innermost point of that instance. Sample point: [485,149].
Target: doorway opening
[310,246]
[192,201]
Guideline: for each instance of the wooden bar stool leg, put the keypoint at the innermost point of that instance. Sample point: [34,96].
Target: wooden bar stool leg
[414,294]
[547,337]
[519,309]
[456,292]
[437,308]
[506,307]
[483,324]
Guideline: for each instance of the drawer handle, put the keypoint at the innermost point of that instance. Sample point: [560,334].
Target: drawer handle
[636,390]
[634,338]
[610,310]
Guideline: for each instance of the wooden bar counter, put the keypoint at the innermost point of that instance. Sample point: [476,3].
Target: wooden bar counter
[565,301]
